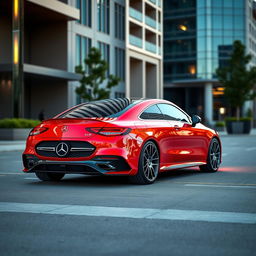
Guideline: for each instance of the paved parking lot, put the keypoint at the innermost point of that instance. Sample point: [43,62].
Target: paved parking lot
[185,212]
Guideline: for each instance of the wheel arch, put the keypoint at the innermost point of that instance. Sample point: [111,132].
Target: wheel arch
[157,145]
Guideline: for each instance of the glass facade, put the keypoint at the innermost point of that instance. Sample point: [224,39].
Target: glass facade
[83,45]
[104,49]
[218,26]
[180,39]
[103,15]
[120,63]
[119,21]
[85,7]
[199,36]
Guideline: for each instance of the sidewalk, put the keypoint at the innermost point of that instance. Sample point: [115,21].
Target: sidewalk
[19,145]
[12,145]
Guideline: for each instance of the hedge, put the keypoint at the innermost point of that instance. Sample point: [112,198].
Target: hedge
[18,123]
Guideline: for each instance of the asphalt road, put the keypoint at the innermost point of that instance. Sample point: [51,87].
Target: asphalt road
[184,212]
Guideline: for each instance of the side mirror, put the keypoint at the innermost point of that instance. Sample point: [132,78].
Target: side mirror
[195,120]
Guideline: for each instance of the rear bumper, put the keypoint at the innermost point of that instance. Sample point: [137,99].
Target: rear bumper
[106,165]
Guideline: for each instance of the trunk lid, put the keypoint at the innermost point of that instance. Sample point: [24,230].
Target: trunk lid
[71,128]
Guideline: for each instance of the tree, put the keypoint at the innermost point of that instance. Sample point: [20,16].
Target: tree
[93,75]
[237,79]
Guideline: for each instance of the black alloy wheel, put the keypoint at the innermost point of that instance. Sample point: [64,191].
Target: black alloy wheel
[148,168]
[214,157]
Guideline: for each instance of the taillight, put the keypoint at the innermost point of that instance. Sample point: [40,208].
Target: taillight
[37,130]
[109,131]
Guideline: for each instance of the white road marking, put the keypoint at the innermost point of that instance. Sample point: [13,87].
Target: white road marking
[218,186]
[250,149]
[137,213]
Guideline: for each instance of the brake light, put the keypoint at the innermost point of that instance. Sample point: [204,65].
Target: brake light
[109,131]
[37,130]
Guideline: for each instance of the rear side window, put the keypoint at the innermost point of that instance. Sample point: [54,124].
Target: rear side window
[172,113]
[152,112]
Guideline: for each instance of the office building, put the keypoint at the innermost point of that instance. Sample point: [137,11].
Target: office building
[42,42]
[198,38]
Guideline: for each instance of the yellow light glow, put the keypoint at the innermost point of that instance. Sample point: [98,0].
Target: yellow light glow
[15,50]
[221,88]
[16,8]
[222,110]
[183,27]
[215,93]
[192,69]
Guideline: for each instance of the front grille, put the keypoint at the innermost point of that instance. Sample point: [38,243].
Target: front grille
[72,148]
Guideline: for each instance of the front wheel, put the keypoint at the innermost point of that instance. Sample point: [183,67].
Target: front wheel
[148,165]
[49,176]
[213,159]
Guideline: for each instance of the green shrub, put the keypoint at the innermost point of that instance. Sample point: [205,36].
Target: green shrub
[240,119]
[18,123]
[220,124]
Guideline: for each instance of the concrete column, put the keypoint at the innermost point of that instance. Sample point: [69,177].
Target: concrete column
[143,79]
[208,103]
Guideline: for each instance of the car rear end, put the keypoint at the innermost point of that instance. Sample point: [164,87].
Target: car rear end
[83,146]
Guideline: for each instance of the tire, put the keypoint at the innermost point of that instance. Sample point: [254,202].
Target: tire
[148,167]
[213,158]
[49,176]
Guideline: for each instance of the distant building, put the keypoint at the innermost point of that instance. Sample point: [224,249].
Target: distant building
[198,37]
[41,42]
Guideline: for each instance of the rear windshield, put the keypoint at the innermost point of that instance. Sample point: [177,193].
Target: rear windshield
[101,108]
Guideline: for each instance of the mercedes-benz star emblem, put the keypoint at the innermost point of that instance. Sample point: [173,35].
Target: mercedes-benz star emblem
[62,149]
[64,128]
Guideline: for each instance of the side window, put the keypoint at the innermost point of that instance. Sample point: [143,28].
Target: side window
[152,112]
[172,113]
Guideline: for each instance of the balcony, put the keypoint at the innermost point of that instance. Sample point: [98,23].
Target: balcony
[135,14]
[150,47]
[150,22]
[136,41]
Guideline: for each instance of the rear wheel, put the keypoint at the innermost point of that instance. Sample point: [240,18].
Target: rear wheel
[148,165]
[49,176]
[213,159]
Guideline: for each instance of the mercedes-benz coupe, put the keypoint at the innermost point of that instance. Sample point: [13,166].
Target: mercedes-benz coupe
[140,139]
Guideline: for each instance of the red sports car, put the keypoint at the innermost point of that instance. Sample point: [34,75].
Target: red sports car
[121,137]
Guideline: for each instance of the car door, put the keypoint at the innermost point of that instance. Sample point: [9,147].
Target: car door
[159,129]
[185,142]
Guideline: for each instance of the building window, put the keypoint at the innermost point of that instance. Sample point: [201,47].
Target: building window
[83,45]
[119,22]
[85,7]
[104,49]
[120,63]
[119,95]
[103,15]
